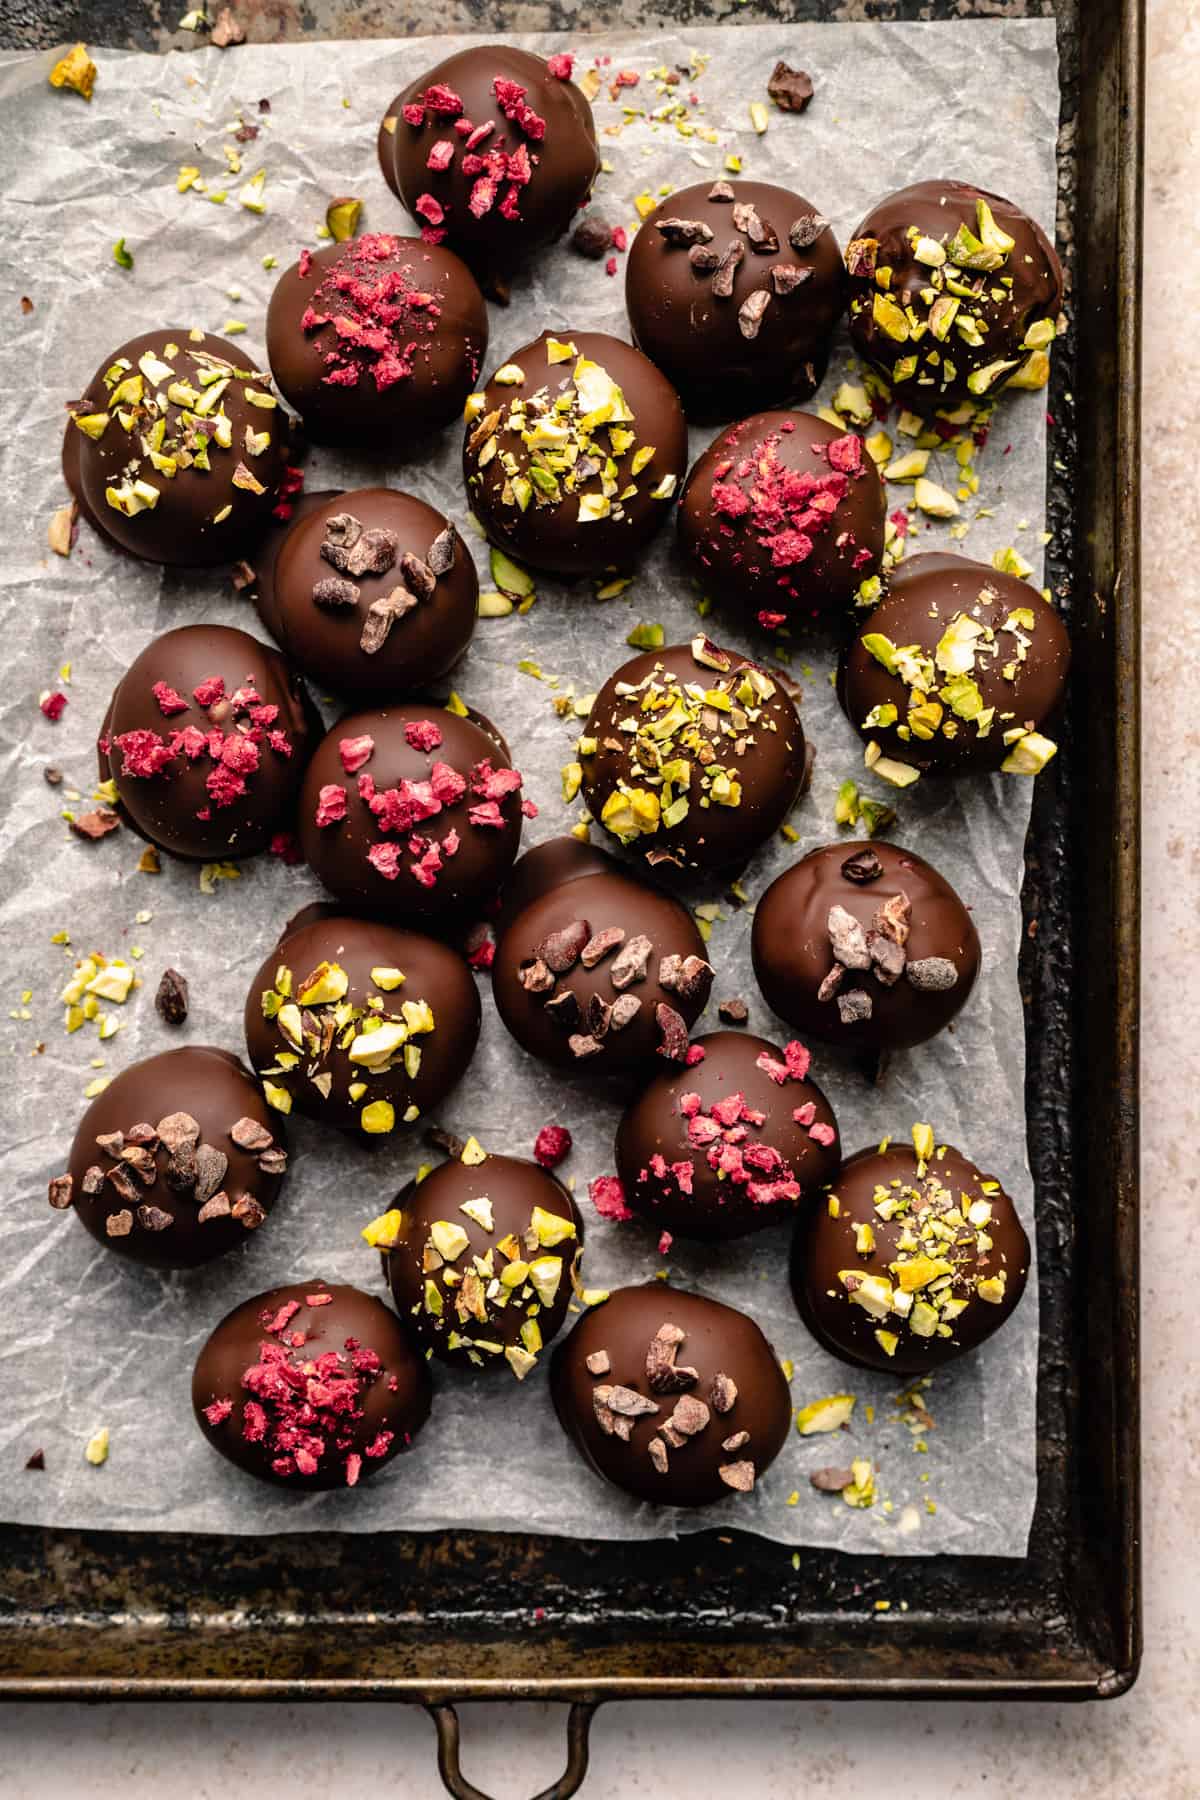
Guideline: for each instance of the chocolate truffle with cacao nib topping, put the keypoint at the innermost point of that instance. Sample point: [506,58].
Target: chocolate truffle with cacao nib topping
[176,1161]
[957,670]
[692,756]
[372,593]
[413,812]
[377,341]
[954,293]
[914,1258]
[734,289]
[206,738]
[674,1397]
[493,151]
[593,967]
[782,518]
[574,452]
[729,1145]
[482,1256]
[310,1386]
[177,450]
[865,946]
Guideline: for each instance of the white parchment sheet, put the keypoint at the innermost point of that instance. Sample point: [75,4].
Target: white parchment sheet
[88,1341]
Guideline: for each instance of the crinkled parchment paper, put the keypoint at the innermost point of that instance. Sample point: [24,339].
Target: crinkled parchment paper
[90,1341]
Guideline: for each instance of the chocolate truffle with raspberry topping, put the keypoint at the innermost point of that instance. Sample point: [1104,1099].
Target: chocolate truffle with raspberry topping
[178,1160]
[593,967]
[359,1025]
[864,945]
[177,450]
[413,812]
[914,1258]
[692,756]
[310,1386]
[482,1257]
[574,452]
[953,293]
[493,151]
[372,593]
[206,738]
[957,670]
[730,1145]
[674,1397]
[378,341]
[782,518]
[734,289]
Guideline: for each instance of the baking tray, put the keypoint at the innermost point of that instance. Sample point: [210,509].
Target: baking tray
[439,1618]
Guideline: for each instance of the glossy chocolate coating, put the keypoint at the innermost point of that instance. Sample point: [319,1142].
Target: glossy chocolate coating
[544,867]
[433,974]
[935,210]
[420,309]
[385,1383]
[824,1248]
[751,534]
[562,161]
[758,744]
[773,1163]
[417,1272]
[184,525]
[603,897]
[338,852]
[549,535]
[926,595]
[717,1341]
[692,330]
[216,1091]
[325,642]
[793,954]
[166,807]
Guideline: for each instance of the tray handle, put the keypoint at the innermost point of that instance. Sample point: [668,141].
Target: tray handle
[579,1720]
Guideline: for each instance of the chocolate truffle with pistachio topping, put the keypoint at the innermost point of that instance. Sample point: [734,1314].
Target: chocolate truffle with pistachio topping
[673,1397]
[692,756]
[734,289]
[177,1161]
[493,151]
[954,294]
[957,670]
[914,1258]
[574,452]
[782,519]
[482,1256]
[177,450]
[864,945]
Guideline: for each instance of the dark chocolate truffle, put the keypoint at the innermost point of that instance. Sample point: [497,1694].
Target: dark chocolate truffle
[176,1160]
[573,453]
[414,812]
[206,738]
[782,518]
[493,151]
[693,756]
[951,291]
[377,341]
[912,1260]
[956,670]
[178,449]
[864,945]
[371,593]
[734,289]
[595,967]
[729,1145]
[310,1386]
[671,1396]
[482,1260]
[359,1025]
